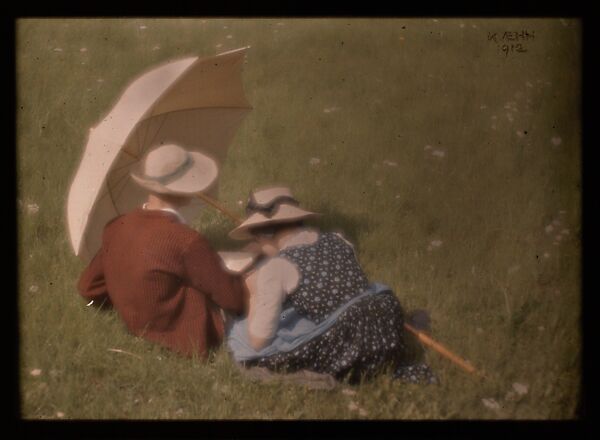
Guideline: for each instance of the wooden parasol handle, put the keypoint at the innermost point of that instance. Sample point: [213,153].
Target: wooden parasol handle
[218,207]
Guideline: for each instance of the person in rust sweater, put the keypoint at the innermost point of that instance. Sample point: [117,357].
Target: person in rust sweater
[162,277]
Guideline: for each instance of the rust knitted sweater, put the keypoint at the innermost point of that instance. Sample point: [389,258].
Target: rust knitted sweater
[164,280]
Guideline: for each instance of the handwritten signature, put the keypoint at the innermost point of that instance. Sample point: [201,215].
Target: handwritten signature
[512,41]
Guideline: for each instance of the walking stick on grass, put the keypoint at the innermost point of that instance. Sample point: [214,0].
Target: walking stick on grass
[421,336]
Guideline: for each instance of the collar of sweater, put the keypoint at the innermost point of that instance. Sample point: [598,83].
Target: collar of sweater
[170,210]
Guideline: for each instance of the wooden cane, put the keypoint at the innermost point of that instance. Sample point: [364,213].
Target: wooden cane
[428,341]
[421,336]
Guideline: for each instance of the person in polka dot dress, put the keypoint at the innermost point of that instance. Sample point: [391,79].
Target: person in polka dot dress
[317,274]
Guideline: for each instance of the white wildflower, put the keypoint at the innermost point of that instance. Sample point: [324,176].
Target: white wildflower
[556,141]
[60,414]
[142,27]
[330,109]
[314,161]
[57,49]
[520,388]
[229,37]
[348,392]
[240,202]
[353,406]
[156,47]
[281,23]
[218,45]
[35,372]
[32,208]
[390,163]
[439,153]
[33,288]
[491,404]
[83,49]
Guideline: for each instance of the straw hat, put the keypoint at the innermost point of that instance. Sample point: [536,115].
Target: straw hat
[169,169]
[270,206]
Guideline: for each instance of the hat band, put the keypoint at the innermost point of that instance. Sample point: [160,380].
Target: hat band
[269,209]
[163,180]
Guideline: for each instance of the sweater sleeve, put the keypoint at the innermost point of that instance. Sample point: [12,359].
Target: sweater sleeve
[92,284]
[205,273]
[274,280]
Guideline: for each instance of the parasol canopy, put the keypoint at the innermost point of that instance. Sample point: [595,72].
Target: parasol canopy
[197,103]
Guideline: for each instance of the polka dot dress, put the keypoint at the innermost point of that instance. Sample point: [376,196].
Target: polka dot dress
[329,276]
[367,337]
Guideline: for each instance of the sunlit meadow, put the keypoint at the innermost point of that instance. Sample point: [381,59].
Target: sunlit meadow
[450,156]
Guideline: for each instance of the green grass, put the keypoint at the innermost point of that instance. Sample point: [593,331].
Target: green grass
[500,292]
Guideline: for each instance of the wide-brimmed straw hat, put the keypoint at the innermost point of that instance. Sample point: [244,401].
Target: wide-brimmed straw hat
[270,206]
[169,169]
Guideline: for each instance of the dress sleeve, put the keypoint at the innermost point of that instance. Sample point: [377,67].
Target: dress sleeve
[204,271]
[92,284]
[274,280]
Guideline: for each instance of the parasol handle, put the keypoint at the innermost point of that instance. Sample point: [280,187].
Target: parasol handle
[220,208]
[462,363]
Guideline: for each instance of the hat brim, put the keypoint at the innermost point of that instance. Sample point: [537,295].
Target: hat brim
[284,214]
[200,176]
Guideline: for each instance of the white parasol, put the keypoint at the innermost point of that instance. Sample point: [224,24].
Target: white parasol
[197,103]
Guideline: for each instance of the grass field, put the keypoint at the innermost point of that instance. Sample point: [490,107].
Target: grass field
[454,167]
